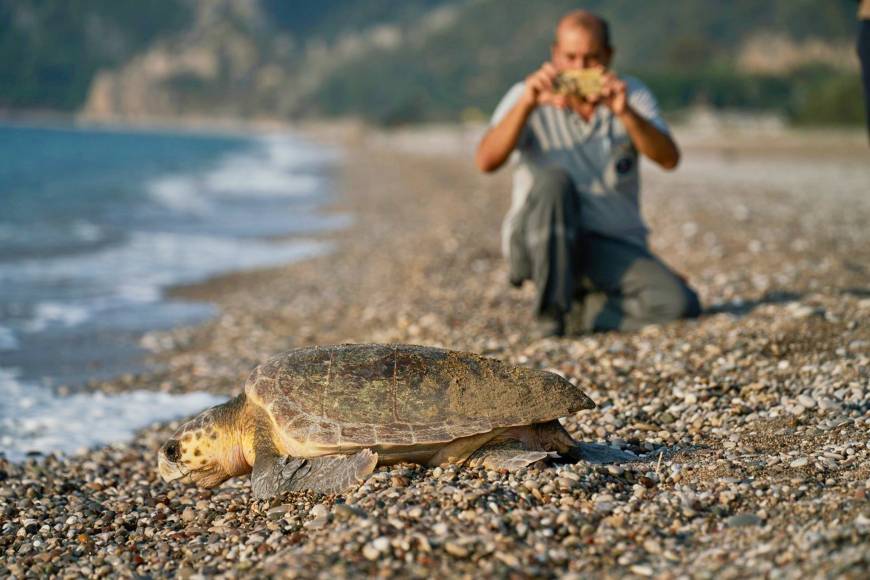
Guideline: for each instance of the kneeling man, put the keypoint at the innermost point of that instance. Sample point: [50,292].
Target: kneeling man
[575,227]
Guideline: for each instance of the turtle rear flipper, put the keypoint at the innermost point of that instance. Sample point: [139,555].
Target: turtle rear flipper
[509,455]
[327,474]
[597,454]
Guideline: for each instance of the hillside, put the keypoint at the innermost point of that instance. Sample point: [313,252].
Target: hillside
[749,54]
[50,51]
[394,62]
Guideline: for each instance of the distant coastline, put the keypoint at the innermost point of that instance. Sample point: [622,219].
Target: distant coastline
[187,124]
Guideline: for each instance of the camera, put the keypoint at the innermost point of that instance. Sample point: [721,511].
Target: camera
[585,83]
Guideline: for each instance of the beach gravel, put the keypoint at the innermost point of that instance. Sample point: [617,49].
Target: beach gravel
[749,427]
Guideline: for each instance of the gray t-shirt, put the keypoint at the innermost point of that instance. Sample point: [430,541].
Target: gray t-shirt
[598,154]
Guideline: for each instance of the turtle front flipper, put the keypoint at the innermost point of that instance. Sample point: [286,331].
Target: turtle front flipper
[509,455]
[332,473]
[328,474]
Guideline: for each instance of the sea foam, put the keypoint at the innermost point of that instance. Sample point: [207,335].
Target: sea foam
[8,340]
[35,420]
[137,271]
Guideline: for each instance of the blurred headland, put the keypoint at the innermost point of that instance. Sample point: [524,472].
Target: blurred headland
[394,63]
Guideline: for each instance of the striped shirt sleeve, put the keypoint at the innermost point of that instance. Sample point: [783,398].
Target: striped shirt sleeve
[641,99]
[508,102]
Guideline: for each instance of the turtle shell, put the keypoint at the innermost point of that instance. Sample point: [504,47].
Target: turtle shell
[363,395]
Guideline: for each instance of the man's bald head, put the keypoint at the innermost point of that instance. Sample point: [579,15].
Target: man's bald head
[588,22]
[582,41]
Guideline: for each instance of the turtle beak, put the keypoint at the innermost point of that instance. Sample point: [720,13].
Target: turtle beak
[167,464]
[168,471]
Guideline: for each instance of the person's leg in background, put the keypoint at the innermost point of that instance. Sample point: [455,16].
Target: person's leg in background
[626,288]
[543,245]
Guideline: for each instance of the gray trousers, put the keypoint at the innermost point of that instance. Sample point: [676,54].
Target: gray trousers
[596,282]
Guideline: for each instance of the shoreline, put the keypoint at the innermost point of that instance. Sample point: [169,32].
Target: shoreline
[758,410]
[118,355]
[337,130]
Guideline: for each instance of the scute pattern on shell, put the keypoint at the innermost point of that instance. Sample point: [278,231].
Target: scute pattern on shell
[359,395]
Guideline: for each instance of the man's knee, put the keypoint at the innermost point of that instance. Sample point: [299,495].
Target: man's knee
[670,300]
[663,296]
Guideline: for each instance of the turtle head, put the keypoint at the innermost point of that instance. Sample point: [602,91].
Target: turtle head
[207,450]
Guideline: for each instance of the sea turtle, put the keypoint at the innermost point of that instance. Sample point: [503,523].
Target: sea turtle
[322,418]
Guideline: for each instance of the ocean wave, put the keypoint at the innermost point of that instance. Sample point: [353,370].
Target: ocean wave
[47,314]
[138,271]
[87,258]
[8,340]
[250,178]
[274,168]
[291,152]
[34,419]
[161,259]
[50,238]
[180,194]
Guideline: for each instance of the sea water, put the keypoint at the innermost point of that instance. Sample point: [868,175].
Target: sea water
[95,225]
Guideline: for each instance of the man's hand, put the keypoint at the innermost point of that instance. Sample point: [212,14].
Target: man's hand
[539,88]
[614,93]
[498,143]
[647,138]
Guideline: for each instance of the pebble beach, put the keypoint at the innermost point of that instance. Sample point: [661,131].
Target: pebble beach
[750,425]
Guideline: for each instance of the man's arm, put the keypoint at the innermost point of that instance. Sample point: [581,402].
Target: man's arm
[649,140]
[499,142]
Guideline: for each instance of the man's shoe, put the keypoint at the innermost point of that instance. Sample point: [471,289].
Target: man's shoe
[575,324]
[550,327]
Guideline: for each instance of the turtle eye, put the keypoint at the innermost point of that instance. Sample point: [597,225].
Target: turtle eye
[171,450]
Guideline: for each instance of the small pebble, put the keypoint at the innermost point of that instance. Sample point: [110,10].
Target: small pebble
[743,520]
[455,549]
